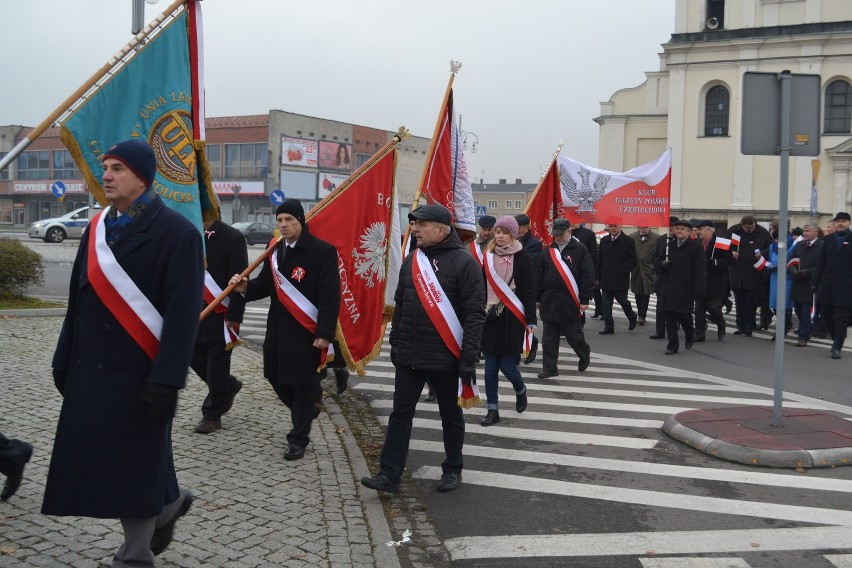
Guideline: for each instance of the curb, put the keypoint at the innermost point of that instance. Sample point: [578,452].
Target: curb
[34,312]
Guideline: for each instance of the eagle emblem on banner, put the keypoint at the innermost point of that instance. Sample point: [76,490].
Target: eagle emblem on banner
[370,260]
[587,194]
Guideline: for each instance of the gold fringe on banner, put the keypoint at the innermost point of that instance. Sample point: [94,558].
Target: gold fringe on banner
[91,181]
[202,172]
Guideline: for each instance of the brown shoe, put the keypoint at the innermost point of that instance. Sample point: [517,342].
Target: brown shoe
[208,426]
[802,343]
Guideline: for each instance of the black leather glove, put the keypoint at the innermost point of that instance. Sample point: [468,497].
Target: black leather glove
[665,264]
[467,371]
[161,401]
[59,379]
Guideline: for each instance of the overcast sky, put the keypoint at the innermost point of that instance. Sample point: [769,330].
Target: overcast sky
[533,71]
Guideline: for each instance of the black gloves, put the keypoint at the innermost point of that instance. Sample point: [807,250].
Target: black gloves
[161,401]
[467,371]
[665,264]
[59,379]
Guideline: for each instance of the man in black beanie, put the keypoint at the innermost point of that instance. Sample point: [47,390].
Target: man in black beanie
[122,357]
[302,279]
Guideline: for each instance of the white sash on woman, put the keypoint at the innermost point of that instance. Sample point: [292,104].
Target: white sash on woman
[119,293]
[211,292]
[508,298]
[567,276]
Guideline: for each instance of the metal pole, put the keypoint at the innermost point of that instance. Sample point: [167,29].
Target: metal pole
[781,269]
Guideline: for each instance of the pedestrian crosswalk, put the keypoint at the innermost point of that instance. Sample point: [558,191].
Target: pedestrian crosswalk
[585,477]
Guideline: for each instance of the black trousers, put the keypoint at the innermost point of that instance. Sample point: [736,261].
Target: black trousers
[703,306]
[213,365]
[837,320]
[300,400]
[685,321]
[596,294]
[619,296]
[660,323]
[642,301]
[550,336]
[408,384]
[746,301]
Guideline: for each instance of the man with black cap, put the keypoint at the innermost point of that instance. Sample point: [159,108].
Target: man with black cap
[486,235]
[122,357]
[435,336]
[746,280]
[533,247]
[303,282]
[682,279]
[717,259]
[833,279]
[565,281]
[661,251]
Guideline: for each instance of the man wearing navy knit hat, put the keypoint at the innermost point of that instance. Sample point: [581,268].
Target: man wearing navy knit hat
[122,357]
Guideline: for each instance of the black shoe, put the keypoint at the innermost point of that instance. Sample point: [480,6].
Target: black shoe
[747,333]
[294,452]
[835,353]
[15,475]
[544,375]
[533,352]
[658,336]
[631,325]
[607,332]
[208,426]
[721,334]
[728,306]
[449,482]
[238,385]
[341,376]
[163,536]
[583,364]
[380,483]
[492,417]
[431,397]
[671,351]
[520,401]
[739,332]
[596,315]
[699,340]
[689,344]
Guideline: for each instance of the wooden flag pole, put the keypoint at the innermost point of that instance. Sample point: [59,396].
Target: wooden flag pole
[67,105]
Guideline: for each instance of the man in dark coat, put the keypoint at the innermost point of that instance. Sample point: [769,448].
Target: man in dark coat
[588,237]
[533,247]
[119,370]
[561,314]
[682,279]
[302,280]
[616,260]
[642,277]
[803,261]
[746,281]
[418,350]
[211,358]
[833,279]
[716,263]
[661,252]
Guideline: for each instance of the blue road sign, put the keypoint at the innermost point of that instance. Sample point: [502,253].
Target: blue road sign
[276,197]
[58,188]
[480,210]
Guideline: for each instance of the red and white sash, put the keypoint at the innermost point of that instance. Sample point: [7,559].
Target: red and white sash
[211,291]
[476,251]
[299,307]
[566,275]
[436,304]
[508,298]
[124,300]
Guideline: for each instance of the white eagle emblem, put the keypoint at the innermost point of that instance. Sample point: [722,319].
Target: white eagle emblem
[586,196]
[370,265]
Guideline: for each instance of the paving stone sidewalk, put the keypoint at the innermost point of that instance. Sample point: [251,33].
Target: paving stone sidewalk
[252,507]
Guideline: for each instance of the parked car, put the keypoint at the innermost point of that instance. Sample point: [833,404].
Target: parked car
[68,226]
[255,232]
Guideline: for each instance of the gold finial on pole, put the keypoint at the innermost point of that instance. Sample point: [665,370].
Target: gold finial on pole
[455,66]
[402,134]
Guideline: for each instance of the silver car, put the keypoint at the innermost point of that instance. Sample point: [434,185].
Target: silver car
[69,226]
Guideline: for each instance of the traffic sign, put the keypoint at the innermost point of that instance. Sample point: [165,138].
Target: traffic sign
[480,210]
[58,188]
[276,197]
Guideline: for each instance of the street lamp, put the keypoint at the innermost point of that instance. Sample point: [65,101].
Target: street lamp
[464,136]
[139,15]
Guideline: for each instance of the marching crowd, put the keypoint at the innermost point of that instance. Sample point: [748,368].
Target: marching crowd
[132,329]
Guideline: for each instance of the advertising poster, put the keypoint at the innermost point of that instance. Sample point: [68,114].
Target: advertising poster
[335,156]
[327,181]
[298,152]
[301,185]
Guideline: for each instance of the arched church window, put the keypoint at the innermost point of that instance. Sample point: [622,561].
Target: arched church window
[838,108]
[717,111]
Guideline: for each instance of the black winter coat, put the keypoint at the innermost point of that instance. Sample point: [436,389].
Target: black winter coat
[717,262]
[589,240]
[808,255]
[505,336]
[555,301]
[532,245]
[289,357]
[683,279]
[110,460]
[226,256]
[616,260]
[833,272]
[414,341]
[742,274]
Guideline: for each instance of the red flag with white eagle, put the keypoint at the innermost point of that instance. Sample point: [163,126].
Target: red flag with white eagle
[545,205]
[360,218]
[638,197]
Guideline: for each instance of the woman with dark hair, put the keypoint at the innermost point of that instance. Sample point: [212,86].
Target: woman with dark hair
[342,157]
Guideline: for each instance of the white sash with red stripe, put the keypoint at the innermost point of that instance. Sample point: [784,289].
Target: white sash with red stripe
[476,251]
[507,297]
[566,275]
[436,304]
[124,300]
[299,307]
[211,291]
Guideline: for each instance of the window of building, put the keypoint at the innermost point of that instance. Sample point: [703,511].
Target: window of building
[717,111]
[361,159]
[64,166]
[519,205]
[245,161]
[838,108]
[492,204]
[508,204]
[214,159]
[5,173]
[34,165]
